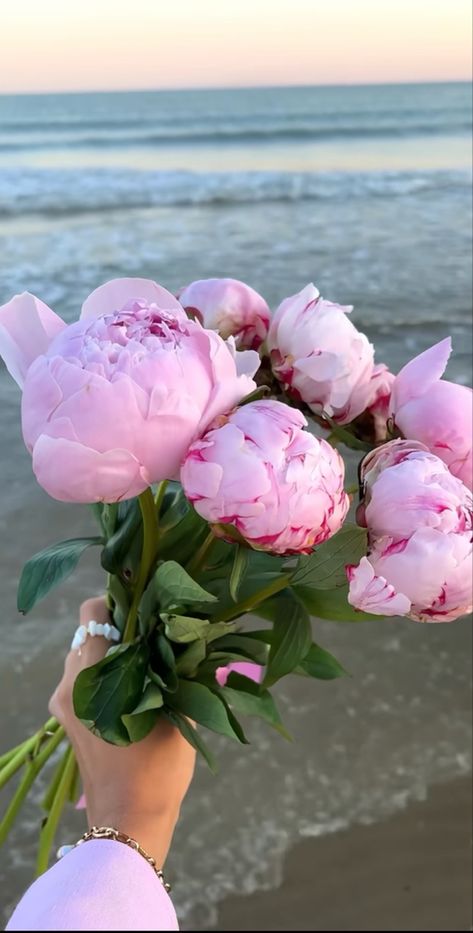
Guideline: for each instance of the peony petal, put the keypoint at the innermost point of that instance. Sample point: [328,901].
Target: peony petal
[228,306]
[421,567]
[420,374]
[27,327]
[442,419]
[248,669]
[247,362]
[113,295]
[371,593]
[70,472]
[229,388]
[201,479]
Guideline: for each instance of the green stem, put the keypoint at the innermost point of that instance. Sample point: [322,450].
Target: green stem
[351,490]
[4,759]
[75,785]
[27,780]
[148,555]
[24,750]
[48,831]
[251,602]
[338,433]
[158,499]
[108,595]
[198,559]
[51,791]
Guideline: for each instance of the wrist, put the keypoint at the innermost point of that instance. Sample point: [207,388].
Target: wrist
[152,828]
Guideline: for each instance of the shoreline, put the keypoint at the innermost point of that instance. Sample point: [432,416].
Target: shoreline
[411,871]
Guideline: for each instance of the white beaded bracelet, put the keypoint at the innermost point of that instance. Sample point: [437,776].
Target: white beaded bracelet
[110,632]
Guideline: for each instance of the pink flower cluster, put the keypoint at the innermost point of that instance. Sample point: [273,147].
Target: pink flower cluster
[419,521]
[146,387]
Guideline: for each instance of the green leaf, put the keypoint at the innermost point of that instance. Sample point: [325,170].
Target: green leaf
[181,529]
[262,569]
[214,660]
[128,523]
[188,662]
[205,707]
[240,566]
[163,662]
[218,630]
[152,698]
[121,599]
[236,726]
[262,634]
[139,725]
[175,587]
[46,569]
[193,737]
[332,605]
[243,645]
[98,510]
[291,638]
[250,699]
[103,693]
[142,720]
[148,609]
[156,678]
[324,569]
[320,664]
[185,629]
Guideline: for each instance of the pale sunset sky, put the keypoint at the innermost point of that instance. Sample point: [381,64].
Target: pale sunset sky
[62,45]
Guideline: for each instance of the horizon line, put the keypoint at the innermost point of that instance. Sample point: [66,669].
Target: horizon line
[235,87]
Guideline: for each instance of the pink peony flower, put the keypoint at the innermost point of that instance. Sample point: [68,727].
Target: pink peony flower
[320,357]
[419,521]
[248,669]
[259,476]
[112,402]
[229,307]
[436,412]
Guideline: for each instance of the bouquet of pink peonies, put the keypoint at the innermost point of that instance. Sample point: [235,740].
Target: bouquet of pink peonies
[183,422]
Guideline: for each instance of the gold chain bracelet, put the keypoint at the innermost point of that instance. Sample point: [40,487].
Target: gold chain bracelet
[108,832]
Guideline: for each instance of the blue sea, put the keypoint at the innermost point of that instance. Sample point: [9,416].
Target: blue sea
[367,192]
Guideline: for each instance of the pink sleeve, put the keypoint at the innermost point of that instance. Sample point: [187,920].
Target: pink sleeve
[101,885]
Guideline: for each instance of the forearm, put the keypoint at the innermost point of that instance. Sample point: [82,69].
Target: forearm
[100,885]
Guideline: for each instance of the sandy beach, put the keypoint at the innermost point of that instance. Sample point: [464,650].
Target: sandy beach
[410,872]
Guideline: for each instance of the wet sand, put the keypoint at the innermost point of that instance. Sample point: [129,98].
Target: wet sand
[410,872]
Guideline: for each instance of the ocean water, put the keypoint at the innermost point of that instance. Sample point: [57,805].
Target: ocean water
[367,192]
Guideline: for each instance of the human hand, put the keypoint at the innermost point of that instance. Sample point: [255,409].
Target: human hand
[138,789]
